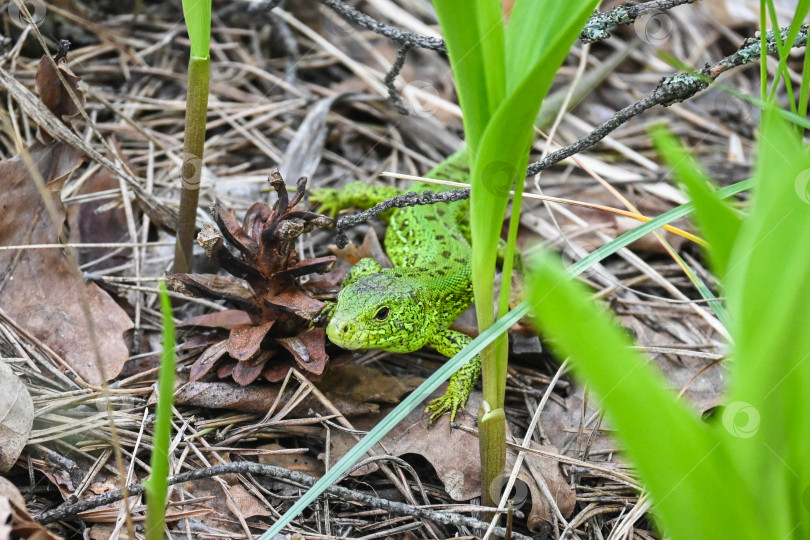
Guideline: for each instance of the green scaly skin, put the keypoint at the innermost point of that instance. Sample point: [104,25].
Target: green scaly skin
[412,305]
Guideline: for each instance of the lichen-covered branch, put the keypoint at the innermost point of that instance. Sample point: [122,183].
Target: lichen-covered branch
[670,90]
[596,29]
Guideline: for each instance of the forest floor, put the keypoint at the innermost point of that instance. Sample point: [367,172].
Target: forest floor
[304,90]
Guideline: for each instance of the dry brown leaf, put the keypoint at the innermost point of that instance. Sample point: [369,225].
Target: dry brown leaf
[5,519]
[241,501]
[16,417]
[39,288]
[88,224]
[50,89]
[453,453]
[363,384]
[455,457]
[565,496]
[258,399]
[14,516]
[293,462]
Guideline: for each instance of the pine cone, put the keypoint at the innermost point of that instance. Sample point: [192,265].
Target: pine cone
[271,328]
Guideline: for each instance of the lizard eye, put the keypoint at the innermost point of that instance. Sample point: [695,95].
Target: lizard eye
[382,314]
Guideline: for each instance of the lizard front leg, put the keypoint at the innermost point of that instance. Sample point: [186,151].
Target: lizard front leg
[449,343]
[356,194]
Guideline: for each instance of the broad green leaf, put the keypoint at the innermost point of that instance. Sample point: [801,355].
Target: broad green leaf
[768,289]
[460,26]
[198,22]
[490,22]
[716,219]
[503,153]
[696,491]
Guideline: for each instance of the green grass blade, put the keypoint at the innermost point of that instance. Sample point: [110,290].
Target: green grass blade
[718,221]
[156,485]
[198,21]
[461,28]
[503,154]
[490,22]
[767,287]
[682,463]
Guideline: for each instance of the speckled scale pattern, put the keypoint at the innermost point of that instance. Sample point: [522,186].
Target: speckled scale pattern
[405,308]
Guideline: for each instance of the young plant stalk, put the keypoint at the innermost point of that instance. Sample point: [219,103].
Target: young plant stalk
[156,485]
[503,70]
[198,21]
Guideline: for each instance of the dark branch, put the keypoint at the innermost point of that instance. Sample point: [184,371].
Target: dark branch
[68,510]
[670,90]
[403,37]
[396,67]
[596,29]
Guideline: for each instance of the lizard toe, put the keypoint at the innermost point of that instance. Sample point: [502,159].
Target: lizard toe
[439,406]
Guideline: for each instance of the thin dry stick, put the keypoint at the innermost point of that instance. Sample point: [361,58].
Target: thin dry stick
[258,469]
[670,90]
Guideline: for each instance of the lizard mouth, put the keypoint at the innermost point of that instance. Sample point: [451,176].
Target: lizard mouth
[344,334]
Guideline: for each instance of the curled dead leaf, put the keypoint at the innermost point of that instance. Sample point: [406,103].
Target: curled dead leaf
[16,417]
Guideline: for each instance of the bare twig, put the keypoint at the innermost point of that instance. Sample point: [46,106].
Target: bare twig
[669,91]
[596,29]
[70,509]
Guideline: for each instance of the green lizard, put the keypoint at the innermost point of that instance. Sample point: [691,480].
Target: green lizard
[412,305]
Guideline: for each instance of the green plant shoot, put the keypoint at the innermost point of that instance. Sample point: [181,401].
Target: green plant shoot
[157,485]
[503,70]
[198,21]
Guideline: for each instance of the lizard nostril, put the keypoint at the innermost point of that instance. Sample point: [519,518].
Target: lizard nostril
[345,328]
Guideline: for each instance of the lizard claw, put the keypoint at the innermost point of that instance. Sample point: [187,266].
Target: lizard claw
[449,402]
[325,314]
[326,200]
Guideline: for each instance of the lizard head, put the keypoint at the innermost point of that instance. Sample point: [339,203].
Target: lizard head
[380,311]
